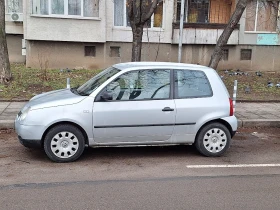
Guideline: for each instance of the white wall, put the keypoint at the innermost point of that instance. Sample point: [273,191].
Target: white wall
[14,27]
[38,27]
[203,36]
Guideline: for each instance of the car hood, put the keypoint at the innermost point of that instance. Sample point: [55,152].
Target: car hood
[54,98]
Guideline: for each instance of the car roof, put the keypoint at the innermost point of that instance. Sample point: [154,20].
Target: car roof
[154,65]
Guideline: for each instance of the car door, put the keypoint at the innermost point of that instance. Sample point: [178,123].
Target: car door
[141,109]
[193,99]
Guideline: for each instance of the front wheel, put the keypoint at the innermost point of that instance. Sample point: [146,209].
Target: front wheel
[213,140]
[64,143]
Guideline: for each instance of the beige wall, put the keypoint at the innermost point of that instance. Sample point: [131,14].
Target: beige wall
[71,55]
[14,48]
[62,55]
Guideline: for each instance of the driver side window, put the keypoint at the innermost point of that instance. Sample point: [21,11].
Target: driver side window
[141,85]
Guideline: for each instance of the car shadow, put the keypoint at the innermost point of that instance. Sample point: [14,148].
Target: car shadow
[114,153]
[139,152]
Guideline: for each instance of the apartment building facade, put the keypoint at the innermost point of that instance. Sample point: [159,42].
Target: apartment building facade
[97,33]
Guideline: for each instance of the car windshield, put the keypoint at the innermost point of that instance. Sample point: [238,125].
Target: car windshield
[92,84]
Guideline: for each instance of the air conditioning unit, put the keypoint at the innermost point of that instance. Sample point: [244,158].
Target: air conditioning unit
[16,17]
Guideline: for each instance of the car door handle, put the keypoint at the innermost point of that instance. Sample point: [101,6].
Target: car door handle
[167,109]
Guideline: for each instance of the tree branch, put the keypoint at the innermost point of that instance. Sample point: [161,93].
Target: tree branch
[148,15]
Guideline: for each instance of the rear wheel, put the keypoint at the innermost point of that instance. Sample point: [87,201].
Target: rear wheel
[213,140]
[64,143]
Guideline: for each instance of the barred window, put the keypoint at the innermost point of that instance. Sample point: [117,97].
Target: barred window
[206,11]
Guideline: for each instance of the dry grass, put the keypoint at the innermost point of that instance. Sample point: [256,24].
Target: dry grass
[28,82]
[258,85]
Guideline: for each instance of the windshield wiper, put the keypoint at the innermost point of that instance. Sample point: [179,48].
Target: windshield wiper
[74,90]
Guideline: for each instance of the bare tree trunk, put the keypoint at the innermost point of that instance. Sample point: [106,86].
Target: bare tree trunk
[5,71]
[223,39]
[139,12]
[137,32]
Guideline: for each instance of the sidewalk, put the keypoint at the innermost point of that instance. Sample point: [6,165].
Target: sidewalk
[248,114]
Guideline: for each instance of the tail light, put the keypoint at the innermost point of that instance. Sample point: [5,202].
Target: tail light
[230,107]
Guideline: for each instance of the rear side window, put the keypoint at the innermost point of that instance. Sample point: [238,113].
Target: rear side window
[191,84]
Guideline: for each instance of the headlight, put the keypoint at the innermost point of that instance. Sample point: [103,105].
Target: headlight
[24,113]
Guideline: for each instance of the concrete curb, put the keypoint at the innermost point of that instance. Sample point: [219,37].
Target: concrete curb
[260,123]
[8,124]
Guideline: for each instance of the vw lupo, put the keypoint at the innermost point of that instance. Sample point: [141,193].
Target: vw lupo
[132,104]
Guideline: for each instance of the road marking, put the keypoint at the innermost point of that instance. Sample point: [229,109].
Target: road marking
[234,166]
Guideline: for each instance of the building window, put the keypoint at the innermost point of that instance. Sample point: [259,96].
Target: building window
[245,54]
[90,51]
[225,54]
[206,11]
[14,6]
[121,15]
[73,8]
[261,15]
[115,52]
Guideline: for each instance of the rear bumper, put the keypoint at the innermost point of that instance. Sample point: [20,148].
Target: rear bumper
[233,133]
[232,121]
[30,143]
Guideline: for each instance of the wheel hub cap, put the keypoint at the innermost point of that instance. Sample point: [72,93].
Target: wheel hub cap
[215,140]
[64,144]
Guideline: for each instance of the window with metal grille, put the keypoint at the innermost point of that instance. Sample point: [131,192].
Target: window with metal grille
[114,51]
[245,54]
[90,51]
[225,54]
[206,11]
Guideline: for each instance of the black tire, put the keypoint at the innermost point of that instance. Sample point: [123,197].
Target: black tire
[213,140]
[64,143]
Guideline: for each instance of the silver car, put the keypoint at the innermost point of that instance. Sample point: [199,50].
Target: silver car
[130,104]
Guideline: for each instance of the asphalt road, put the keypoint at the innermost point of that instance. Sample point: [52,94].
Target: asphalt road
[145,178]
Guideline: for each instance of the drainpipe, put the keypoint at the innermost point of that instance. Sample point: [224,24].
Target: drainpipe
[181,30]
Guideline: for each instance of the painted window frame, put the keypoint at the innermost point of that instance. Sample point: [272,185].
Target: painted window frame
[125,25]
[66,11]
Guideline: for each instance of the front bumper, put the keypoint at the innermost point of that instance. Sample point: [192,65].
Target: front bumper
[29,135]
[30,143]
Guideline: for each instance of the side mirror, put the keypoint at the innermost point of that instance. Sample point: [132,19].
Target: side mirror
[106,96]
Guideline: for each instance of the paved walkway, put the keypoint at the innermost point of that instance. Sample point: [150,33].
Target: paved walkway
[248,114]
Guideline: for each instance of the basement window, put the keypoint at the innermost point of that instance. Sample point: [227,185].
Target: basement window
[245,54]
[90,51]
[114,51]
[225,54]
